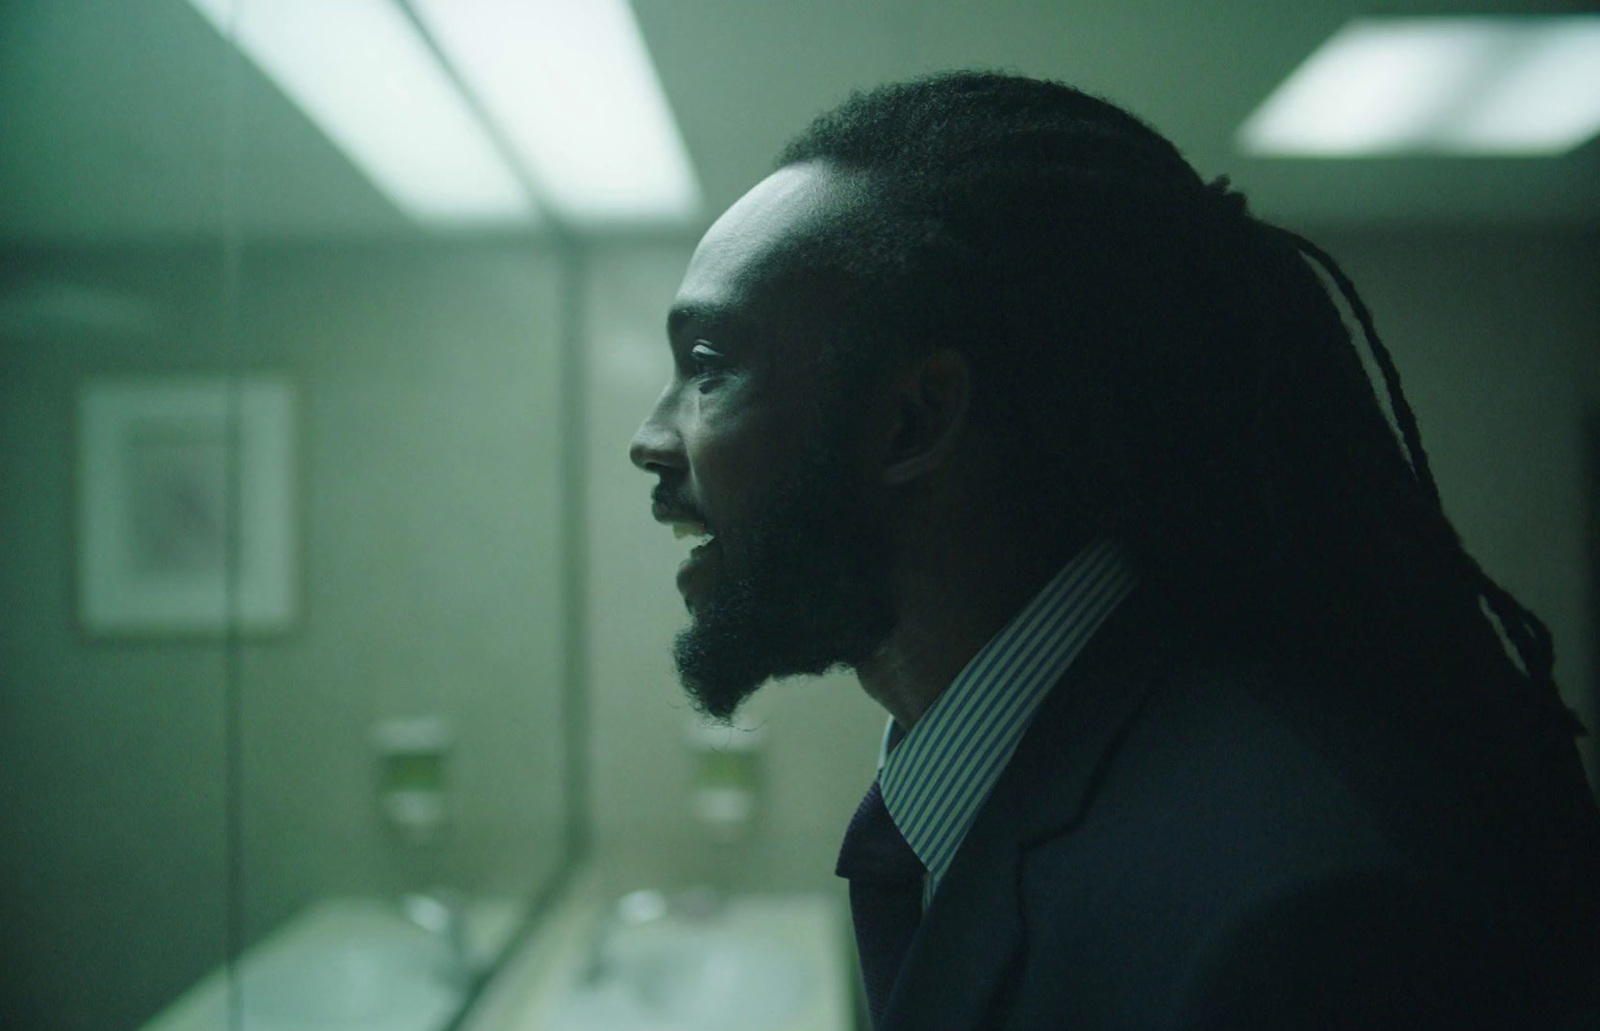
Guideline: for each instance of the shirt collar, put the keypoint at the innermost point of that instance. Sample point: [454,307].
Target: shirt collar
[935,776]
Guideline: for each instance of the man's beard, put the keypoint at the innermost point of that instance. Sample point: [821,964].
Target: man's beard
[811,591]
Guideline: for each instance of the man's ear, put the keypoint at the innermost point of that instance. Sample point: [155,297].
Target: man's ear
[930,400]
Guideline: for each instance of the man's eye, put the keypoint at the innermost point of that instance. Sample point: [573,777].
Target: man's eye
[707,360]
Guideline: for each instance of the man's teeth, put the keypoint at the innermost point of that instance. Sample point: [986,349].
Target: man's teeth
[682,530]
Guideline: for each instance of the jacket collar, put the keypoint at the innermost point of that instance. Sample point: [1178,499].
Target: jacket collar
[972,932]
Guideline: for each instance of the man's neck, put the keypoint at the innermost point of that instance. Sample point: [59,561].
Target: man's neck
[918,662]
[948,609]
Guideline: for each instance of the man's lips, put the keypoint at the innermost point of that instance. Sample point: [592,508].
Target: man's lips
[686,523]
[694,570]
[675,515]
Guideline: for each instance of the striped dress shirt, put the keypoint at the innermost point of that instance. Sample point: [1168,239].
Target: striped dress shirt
[935,777]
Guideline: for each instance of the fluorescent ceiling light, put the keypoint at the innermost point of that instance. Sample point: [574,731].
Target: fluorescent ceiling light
[570,85]
[1471,85]
[1547,102]
[364,74]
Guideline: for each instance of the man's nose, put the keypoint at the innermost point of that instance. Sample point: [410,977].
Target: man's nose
[656,446]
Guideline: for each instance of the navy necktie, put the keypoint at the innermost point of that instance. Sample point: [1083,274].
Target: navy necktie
[885,896]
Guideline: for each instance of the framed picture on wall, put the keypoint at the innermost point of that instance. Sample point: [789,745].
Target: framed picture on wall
[186,506]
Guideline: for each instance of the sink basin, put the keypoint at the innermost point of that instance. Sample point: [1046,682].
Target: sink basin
[703,975]
[343,964]
[357,983]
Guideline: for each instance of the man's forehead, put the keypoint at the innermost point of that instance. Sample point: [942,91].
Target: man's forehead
[755,240]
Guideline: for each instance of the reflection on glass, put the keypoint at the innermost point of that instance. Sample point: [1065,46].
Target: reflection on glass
[281,679]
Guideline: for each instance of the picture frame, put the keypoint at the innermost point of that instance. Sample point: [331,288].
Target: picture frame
[186,506]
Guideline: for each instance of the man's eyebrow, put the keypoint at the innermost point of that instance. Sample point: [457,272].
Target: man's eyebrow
[684,316]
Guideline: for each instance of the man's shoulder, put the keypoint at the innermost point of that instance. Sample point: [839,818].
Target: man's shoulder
[1266,762]
[1236,781]
[1251,809]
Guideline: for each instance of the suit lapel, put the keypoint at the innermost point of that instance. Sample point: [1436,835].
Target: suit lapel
[973,932]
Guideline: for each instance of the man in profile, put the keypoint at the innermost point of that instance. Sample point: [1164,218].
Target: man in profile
[1201,716]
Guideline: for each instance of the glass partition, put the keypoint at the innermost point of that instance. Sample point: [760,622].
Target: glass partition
[285,581]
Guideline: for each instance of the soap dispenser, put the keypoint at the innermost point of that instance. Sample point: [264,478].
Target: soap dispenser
[412,758]
[726,778]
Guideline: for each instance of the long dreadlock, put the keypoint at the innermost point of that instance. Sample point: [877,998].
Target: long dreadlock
[1527,632]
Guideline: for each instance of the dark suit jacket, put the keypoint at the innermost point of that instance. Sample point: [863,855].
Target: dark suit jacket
[1183,842]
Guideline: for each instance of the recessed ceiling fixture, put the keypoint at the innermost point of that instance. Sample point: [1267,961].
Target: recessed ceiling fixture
[363,73]
[571,85]
[1468,86]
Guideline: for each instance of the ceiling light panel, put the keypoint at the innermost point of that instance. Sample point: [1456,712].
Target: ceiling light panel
[1546,102]
[570,85]
[362,72]
[1471,85]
